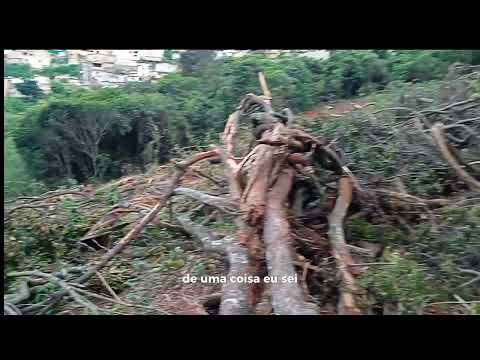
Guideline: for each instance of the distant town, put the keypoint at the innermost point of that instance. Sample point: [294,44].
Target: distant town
[112,68]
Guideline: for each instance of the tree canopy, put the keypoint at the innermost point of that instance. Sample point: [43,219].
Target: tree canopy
[79,133]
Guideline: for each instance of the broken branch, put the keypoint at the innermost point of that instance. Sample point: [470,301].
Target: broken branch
[447,155]
[340,251]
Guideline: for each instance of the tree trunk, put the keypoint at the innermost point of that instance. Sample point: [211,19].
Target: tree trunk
[287,297]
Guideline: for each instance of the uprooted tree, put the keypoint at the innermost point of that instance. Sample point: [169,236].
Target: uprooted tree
[272,187]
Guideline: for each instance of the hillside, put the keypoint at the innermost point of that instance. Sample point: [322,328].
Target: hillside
[370,204]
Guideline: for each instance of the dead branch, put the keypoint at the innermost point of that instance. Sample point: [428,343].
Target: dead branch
[10,309]
[67,287]
[208,177]
[109,289]
[217,202]
[263,84]
[235,294]
[447,155]
[121,302]
[340,251]
[473,272]
[411,198]
[229,132]
[168,226]
[50,194]
[289,114]
[22,294]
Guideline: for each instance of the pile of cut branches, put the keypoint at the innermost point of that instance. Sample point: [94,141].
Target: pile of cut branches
[288,197]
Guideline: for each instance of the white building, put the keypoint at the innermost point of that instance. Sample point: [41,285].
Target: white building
[100,58]
[103,76]
[37,59]
[315,54]
[165,68]
[232,53]
[151,55]
[125,57]
[76,56]
[104,67]
[43,83]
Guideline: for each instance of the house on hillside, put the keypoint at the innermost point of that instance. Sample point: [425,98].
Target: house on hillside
[125,57]
[101,58]
[152,65]
[231,53]
[314,54]
[156,56]
[271,54]
[106,77]
[37,59]
[15,56]
[76,57]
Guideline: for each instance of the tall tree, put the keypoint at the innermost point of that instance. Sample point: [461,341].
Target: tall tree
[193,62]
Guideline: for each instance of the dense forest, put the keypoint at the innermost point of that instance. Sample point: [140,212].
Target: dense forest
[409,147]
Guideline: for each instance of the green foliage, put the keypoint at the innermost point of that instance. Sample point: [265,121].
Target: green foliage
[61,89]
[405,282]
[113,196]
[226,226]
[30,88]
[104,162]
[78,225]
[16,105]
[146,122]
[175,259]
[199,270]
[346,71]
[194,61]
[110,195]
[168,55]
[361,229]
[63,69]
[431,270]
[60,61]
[23,71]
[75,218]
[419,65]
[456,246]
[55,51]
[17,180]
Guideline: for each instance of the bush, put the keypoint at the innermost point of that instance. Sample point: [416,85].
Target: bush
[66,69]
[404,282]
[30,88]
[22,71]
[16,105]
